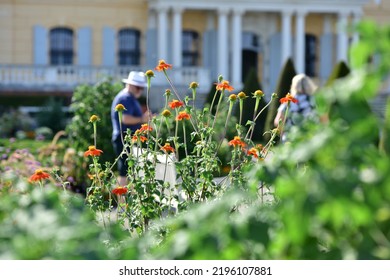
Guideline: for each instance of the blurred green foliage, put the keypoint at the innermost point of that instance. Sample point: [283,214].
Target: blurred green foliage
[384,143]
[87,101]
[50,224]
[52,115]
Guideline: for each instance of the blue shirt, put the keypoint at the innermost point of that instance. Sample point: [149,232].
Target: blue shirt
[133,108]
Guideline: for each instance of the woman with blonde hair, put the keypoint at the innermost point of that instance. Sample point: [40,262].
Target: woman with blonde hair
[302,89]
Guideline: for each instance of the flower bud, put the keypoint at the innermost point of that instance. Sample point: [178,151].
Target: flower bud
[194,85]
[242,95]
[120,108]
[149,73]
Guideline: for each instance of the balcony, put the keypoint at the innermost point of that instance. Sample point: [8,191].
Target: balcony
[62,80]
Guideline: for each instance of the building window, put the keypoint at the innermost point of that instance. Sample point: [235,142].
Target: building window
[311,55]
[190,48]
[129,46]
[61,46]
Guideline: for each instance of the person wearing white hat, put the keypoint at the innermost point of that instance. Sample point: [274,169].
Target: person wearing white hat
[132,117]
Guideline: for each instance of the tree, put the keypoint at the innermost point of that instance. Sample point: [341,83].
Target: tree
[283,87]
[339,71]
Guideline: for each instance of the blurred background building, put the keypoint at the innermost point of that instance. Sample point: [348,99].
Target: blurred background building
[48,47]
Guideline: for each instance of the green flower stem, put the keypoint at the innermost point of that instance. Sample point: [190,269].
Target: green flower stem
[168,126]
[256,106]
[193,97]
[94,133]
[211,107]
[120,126]
[147,101]
[175,138]
[241,109]
[172,86]
[194,109]
[158,134]
[268,146]
[166,166]
[178,97]
[185,138]
[166,101]
[234,156]
[284,120]
[231,103]
[40,183]
[216,112]
[251,128]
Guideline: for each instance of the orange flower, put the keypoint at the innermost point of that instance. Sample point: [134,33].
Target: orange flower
[175,104]
[92,151]
[183,115]
[224,85]
[145,127]
[120,190]
[260,148]
[39,175]
[253,152]
[167,148]
[237,142]
[93,176]
[162,65]
[288,98]
[141,138]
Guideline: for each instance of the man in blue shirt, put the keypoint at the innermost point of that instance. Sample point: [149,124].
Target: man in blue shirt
[132,117]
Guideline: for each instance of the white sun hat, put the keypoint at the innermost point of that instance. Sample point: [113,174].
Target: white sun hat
[136,79]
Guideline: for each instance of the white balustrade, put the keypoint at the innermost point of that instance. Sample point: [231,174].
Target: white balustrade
[69,76]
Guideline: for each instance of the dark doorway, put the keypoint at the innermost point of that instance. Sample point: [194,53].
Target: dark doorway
[249,60]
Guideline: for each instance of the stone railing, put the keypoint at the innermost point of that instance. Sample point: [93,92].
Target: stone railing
[66,77]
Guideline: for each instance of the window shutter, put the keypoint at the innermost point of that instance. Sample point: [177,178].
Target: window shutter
[84,48]
[151,47]
[109,46]
[210,52]
[40,45]
[326,56]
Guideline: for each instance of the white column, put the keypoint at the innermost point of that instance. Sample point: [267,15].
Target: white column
[162,33]
[152,22]
[342,38]
[177,37]
[286,36]
[210,21]
[356,19]
[300,41]
[328,24]
[237,48]
[223,43]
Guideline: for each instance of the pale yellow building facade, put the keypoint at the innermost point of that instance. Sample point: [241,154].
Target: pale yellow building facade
[202,39]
